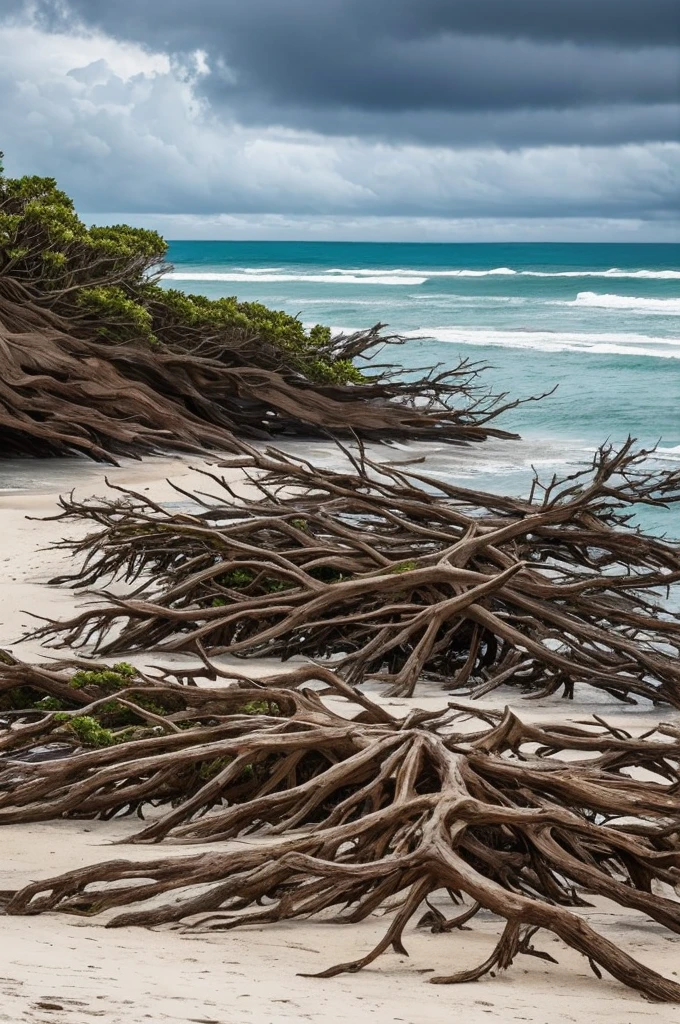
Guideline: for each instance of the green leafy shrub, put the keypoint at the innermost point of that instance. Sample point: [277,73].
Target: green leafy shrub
[237,579]
[111,679]
[118,316]
[106,279]
[87,729]
[49,704]
[260,707]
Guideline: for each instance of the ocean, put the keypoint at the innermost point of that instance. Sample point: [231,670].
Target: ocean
[600,321]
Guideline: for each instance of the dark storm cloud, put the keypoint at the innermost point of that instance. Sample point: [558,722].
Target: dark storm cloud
[620,22]
[509,129]
[367,66]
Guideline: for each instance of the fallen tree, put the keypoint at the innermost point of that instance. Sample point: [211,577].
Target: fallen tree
[360,813]
[397,576]
[98,358]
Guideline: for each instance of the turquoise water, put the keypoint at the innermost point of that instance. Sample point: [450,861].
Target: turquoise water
[600,321]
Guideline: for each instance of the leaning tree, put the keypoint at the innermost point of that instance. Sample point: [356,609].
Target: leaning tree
[98,357]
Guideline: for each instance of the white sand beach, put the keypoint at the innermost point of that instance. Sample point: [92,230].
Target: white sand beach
[70,970]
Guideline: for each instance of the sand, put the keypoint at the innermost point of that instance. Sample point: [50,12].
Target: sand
[67,970]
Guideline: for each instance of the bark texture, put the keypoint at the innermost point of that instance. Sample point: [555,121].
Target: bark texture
[397,576]
[473,810]
[65,390]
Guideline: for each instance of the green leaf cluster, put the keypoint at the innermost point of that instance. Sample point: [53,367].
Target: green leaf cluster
[239,579]
[87,729]
[260,707]
[44,242]
[404,567]
[111,679]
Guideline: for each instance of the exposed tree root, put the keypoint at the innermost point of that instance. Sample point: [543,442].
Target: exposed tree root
[398,575]
[64,390]
[520,819]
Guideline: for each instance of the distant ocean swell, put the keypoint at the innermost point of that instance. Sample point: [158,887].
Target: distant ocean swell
[665,307]
[273,275]
[619,343]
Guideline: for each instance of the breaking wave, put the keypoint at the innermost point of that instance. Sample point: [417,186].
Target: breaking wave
[669,307]
[555,341]
[325,278]
[415,276]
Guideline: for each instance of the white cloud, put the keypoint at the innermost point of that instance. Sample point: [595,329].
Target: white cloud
[125,130]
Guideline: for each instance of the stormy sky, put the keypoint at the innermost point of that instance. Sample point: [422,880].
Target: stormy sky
[352,118]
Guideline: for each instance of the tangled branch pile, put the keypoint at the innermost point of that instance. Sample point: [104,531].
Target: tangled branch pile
[97,357]
[397,576]
[373,812]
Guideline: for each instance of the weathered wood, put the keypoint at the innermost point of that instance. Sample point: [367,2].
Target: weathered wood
[66,390]
[397,576]
[371,811]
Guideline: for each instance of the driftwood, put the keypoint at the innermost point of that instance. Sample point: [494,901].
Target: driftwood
[65,390]
[366,813]
[397,576]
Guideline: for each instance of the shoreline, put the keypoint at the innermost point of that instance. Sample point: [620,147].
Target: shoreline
[250,974]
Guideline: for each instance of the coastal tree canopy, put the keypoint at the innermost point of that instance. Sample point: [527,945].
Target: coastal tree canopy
[107,277]
[97,356]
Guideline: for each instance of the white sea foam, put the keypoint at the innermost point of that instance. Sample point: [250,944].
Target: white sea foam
[668,307]
[668,454]
[557,341]
[649,275]
[313,278]
[497,271]
[415,276]
[613,272]
[432,301]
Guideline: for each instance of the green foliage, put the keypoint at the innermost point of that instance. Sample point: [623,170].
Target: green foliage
[117,316]
[237,578]
[209,769]
[260,707]
[111,679]
[87,729]
[49,704]
[42,239]
[404,567]
[176,312]
[273,586]
[150,705]
[240,578]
